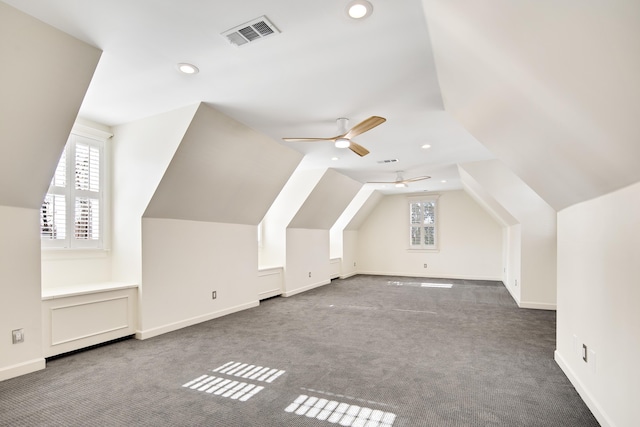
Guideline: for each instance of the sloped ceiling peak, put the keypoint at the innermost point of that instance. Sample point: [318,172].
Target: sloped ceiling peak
[222,171]
[551,88]
[44,76]
[326,202]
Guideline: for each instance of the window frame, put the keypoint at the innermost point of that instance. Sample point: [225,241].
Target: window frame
[411,200]
[92,137]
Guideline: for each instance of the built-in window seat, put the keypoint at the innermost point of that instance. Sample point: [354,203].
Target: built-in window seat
[78,316]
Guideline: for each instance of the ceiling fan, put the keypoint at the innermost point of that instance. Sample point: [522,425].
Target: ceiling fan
[400,181]
[343,140]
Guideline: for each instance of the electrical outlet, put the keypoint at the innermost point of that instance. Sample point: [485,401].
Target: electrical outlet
[17,336]
[425,265]
[214,294]
[354,264]
[309,274]
[516,282]
[584,352]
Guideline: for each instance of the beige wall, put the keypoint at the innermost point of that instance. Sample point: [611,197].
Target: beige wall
[470,242]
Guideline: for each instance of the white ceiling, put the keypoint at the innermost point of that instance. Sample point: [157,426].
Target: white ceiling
[322,66]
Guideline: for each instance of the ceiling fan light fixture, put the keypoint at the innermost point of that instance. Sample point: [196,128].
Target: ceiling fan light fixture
[359,9]
[342,143]
[401,185]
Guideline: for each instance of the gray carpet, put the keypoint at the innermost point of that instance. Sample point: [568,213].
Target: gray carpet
[365,351]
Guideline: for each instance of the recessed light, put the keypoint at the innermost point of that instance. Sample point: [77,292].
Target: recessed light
[188,68]
[335,158]
[359,9]
[443,181]
[426,146]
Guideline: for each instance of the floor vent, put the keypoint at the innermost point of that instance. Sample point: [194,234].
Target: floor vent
[251,31]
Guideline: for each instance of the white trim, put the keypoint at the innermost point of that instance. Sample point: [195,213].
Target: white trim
[537,305]
[90,131]
[596,409]
[22,368]
[150,333]
[270,271]
[84,289]
[270,293]
[346,276]
[305,288]
[434,276]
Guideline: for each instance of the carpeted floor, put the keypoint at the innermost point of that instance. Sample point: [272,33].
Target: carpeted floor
[365,351]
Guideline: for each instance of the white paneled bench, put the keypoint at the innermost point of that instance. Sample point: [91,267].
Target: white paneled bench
[80,316]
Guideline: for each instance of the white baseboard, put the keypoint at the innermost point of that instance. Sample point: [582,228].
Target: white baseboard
[305,288]
[22,368]
[150,333]
[537,305]
[588,399]
[434,276]
[347,275]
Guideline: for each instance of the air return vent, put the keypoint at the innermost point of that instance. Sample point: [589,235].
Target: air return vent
[251,31]
[387,161]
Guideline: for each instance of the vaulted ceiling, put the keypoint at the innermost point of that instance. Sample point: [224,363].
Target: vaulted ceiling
[550,88]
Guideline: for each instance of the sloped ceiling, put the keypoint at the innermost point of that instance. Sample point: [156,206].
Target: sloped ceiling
[551,88]
[45,74]
[326,202]
[222,171]
[365,209]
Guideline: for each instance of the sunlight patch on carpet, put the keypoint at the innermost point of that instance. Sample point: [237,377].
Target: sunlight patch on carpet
[251,372]
[422,284]
[218,386]
[341,413]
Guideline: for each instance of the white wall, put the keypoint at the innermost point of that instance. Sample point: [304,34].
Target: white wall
[470,241]
[508,197]
[551,88]
[281,212]
[142,151]
[307,262]
[20,289]
[349,253]
[183,262]
[598,301]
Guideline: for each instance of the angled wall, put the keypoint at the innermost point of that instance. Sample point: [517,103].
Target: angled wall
[142,152]
[199,230]
[274,224]
[531,241]
[39,103]
[307,234]
[344,233]
[550,88]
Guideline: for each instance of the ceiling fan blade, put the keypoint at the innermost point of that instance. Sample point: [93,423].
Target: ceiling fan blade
[358,149]
[364,126]
[418,178]
[309,139]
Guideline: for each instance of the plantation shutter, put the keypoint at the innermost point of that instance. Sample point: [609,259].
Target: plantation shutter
[71,212]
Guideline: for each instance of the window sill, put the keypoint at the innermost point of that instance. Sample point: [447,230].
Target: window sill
[63,253]
[421,250]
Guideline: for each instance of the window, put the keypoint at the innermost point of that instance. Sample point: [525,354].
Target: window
[423,223]
[71,215]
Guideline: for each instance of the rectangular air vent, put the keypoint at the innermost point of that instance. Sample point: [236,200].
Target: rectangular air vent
[387,161]
[251,31]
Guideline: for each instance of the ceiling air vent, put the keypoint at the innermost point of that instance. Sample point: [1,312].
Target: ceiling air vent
[251,31]
[388,161]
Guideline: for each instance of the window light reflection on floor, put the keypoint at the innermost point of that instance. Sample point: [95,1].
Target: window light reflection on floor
[422,285]
[341,413]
